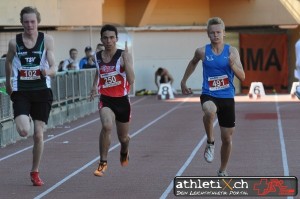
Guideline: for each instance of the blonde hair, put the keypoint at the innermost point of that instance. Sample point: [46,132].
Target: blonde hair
[215,21]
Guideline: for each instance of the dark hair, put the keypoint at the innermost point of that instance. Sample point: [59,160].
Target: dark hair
[88,48]
[159,71]
[28,10]
[72,49]
[109,28]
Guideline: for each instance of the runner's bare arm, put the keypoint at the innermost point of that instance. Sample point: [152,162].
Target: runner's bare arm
[236,64]
[190,69]
[8,64]
[128,65]
[95,86]
[49,45]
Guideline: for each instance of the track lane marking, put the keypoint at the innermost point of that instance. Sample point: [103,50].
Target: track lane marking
[282,142]
[111,149]
[61,134]
[186,164]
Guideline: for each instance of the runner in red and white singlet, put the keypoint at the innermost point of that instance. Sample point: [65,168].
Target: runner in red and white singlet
[112,81]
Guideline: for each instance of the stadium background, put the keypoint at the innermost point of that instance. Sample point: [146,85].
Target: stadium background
[161,32]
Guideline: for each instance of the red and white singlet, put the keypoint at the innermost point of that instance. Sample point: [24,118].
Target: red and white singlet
[112,77]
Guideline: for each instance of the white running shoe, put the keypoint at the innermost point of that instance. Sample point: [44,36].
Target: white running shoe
[222,173]
[209,152]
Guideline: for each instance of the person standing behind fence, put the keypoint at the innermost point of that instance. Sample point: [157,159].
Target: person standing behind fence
[72,62]
[99,47]
[90,63]
[87,61]
[60,66]
[220,63]
[30,55]
[112,80]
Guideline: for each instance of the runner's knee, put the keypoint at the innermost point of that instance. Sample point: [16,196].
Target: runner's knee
[209,115]
[23,131]
[107,126]
[226,138]
[38,137]
[124,139]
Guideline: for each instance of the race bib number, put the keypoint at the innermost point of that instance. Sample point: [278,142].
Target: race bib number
[218,82]
[109,80]
[32,73]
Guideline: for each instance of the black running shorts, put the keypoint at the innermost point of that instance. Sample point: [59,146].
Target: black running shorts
[119,105]
[36,103]
[225,109]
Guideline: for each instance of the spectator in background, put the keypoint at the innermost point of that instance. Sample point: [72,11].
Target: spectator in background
[90,63]
[165,77]
[60,66]
[99,47]
[84,62]
[71,63]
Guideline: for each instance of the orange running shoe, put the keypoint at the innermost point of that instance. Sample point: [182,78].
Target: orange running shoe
[101,169]
[35,179]
[124,159]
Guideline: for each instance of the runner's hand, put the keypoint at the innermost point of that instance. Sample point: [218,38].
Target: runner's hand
[125,54]
[93,94]
[185,90]
[44,72]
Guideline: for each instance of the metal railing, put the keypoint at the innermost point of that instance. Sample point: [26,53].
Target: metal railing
[68,87]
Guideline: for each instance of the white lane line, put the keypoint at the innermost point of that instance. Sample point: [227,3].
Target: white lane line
[61,134]
[54,137]
[111,149]
[282,142]
[186,164]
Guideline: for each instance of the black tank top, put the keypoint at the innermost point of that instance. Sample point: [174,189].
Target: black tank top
[29,73]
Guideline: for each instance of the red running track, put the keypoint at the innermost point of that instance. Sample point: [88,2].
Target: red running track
[168,140]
